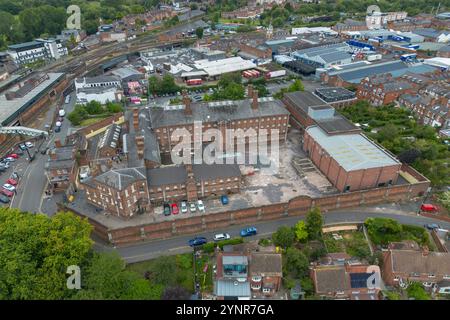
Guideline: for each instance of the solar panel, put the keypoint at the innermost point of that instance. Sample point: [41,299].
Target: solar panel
[359,280]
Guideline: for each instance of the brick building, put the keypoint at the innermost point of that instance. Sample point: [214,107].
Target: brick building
[258,114]
[258,51]
[433,112]
[109,142]
[350,161]
[61,167]
[265,273]
[122,192]
[401,265]
[383,89]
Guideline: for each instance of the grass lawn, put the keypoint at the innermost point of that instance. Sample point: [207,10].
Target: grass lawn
[88,122]
[353,243]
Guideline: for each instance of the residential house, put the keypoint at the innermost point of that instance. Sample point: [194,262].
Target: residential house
[61,167]
[265,273]
[232,277]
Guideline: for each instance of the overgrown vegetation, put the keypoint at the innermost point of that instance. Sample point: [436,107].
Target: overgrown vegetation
[229,87]
[93,110]
[397,130]
[384,230]
[164,85]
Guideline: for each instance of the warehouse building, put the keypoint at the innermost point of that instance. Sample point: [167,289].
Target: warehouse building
[350,160]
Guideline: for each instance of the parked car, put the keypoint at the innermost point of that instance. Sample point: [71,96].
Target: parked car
[197,241]
[19,152]
[192,207]
[10,159]
[251,231]
[29,144]
[432,226]
[11,182]
[4,199]
[5,164]
[6,192]
[166,209]
[428,207]
[15,176]
[13,155]
[2,168]
[174,208]
[224,199]
[201,206]
[9,187]
[22,146]
[57,129]
[221,236]
[184,207]
[60,119]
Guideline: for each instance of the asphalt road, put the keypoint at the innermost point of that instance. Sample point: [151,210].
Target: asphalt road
[153,249]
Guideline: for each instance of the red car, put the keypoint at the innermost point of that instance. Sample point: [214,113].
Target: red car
[13,155]
[12,182]
[6,192]
[174,208]
[428,207]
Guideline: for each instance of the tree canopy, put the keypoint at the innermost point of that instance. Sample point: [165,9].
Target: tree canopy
[314,223]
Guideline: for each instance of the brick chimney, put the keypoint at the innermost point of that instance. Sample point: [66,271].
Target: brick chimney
[140,146]
[255,100]
[58,143]
[136,118]
[250,91]
[187,103]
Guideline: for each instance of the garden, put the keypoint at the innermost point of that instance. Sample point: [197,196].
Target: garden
[353,243]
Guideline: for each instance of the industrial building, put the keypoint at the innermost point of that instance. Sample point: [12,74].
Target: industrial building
[325,56]
[350,160]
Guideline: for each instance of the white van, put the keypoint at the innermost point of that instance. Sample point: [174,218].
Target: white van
[67,99]
[62,113]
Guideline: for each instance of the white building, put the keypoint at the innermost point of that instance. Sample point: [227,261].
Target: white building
[39,49]
[102,89]
[376,20]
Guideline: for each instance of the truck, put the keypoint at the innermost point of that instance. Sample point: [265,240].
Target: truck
[373,57]
[275,74]
[408,57]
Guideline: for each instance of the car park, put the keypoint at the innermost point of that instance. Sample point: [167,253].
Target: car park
[174,208]
[432,226]
[29,144]
[166,209]
[11,182]
[221,236]
[224,199]
[248,232]
[184,207]
[197,241]
[4,199]
[9,187]
[7,192]
[201,206]
[192,207]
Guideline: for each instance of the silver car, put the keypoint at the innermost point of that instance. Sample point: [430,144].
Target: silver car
[221,236]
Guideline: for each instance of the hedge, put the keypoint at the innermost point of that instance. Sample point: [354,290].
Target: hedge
[209,247]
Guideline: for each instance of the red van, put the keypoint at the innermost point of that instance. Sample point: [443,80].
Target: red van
[428,208]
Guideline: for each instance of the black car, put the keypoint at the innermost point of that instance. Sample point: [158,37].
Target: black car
[57,129]
[4,199]
[166,209]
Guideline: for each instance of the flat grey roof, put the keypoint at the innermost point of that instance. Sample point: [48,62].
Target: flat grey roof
[352,151]
[166,175]
[304,99]
[10,109]
[215,171]
[240,260]
[231,288]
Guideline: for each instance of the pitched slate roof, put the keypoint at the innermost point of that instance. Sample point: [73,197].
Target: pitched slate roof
[268,264]
[120,179]
[408,261]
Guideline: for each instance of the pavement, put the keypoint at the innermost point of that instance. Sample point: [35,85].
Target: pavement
[404,214]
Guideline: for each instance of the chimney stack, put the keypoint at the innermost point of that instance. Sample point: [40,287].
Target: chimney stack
[140,144]
[136,118]
[255,100]
[58,143]
[250,91]
[187,103]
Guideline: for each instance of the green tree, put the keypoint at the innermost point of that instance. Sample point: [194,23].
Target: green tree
[416,291]
[113,107]
[199,33]
[94,107]
[314,223]
[296,262]
[36,250]
[301,232]
[296,86]
[284,237]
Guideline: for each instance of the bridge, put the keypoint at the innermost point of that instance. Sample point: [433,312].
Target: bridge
[23,131]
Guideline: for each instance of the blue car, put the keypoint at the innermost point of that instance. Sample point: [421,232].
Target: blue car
[224,199]
[198,241]
[251,231]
